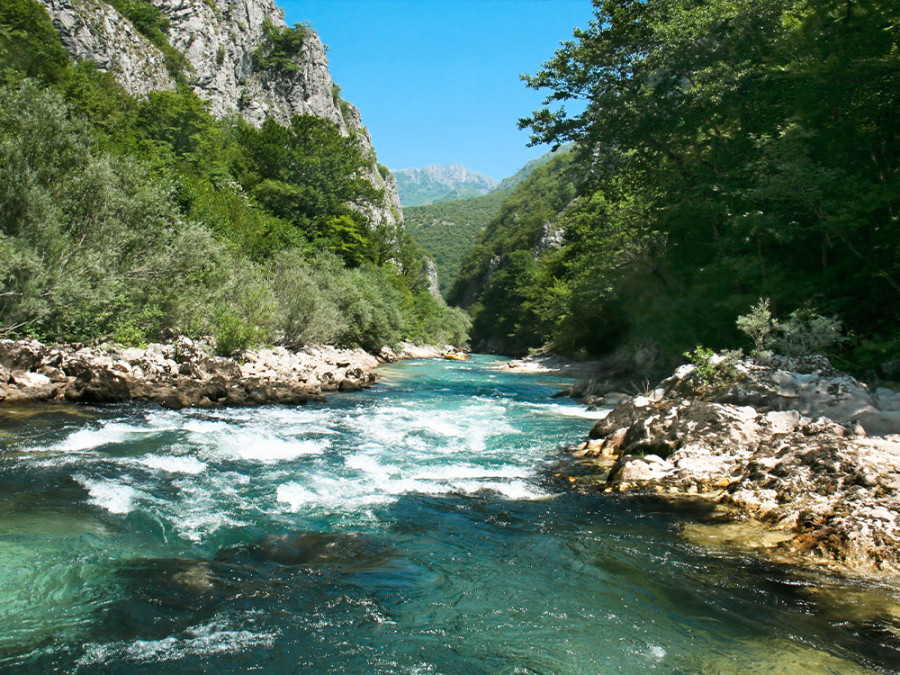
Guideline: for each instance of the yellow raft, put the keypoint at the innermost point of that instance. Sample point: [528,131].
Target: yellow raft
[456,356]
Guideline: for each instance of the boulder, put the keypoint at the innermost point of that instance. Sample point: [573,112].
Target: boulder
[23,379]
[24,355]
[99,386]
[178,375]
[32,394]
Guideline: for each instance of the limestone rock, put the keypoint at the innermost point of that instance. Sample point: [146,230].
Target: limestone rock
[109,374]
[431,274]
[92,30]
[768,447]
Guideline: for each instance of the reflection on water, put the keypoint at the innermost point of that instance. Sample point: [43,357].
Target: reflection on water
[410,528]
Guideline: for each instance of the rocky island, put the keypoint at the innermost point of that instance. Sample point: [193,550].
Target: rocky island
[793,445]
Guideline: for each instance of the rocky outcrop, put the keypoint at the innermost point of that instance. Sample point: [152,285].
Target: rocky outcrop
[408,350]
[601,382]
[431,275]
[178,375]
[796,444]
[92,30]
[218,39]
[552,237]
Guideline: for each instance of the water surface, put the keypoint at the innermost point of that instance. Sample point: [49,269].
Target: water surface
[411,528]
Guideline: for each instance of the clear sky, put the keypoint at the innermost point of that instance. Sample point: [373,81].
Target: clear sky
[437,81]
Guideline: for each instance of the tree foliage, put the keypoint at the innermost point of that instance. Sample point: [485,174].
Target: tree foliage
[280,47]
[128,218]
[728,150]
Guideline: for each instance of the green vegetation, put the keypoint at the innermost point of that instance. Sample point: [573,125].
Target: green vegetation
[803,333]
[510,183]
[759,325]
[446,230]
[725,151]
[713,370]
[500,279]
[149,22]
[29,45]
[127,219]
[280,48]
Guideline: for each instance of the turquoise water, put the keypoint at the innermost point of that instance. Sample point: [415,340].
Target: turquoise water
[412,528]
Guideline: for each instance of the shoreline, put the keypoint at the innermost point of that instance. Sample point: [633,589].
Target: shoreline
[184,373]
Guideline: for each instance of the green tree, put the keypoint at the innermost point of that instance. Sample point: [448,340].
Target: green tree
[758,140]
[29,45]
[312,176]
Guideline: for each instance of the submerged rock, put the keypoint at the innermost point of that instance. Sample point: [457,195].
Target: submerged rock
[307,549]
[796,450]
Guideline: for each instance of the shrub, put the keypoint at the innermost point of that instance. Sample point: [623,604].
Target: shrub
[715,370]
[279,47]
[806,332]
[759,325]
[308,295]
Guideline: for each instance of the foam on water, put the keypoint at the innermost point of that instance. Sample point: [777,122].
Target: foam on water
[114,496]
[569,410]
[205,640]
[203,507]
[329,496]
[268,449]
[88,439]
[173,464]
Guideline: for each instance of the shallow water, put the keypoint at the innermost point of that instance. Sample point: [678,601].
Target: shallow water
[411,528]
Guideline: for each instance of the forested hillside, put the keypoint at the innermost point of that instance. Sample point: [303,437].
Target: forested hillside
[130,217]
[500,279]
[447,230]
[726,151]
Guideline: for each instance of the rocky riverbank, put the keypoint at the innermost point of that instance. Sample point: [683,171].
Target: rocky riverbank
[808,452]
[184,373]
[600,382]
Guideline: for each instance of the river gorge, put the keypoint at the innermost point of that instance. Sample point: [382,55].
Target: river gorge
[415,527]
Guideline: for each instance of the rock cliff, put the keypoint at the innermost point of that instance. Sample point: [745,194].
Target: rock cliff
[218,39]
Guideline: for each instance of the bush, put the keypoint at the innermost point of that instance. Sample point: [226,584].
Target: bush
[759,325]
[280,47]
[806,332]
[308,293]
[714,370]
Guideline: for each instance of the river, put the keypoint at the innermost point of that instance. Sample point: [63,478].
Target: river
[411,528]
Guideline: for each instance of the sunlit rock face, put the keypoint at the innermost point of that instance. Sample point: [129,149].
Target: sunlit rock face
[218,39]
[93,31]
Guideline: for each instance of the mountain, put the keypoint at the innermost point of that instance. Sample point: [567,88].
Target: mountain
[436,183]
[447,230]
[238,55]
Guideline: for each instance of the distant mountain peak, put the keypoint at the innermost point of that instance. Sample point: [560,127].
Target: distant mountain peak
[439,183]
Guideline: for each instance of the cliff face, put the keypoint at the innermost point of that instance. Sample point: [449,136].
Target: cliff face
[93,31]
[218,39]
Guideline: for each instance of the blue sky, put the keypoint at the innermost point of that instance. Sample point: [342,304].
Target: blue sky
[437,81]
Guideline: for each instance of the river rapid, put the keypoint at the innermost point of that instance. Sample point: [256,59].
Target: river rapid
[412,528]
